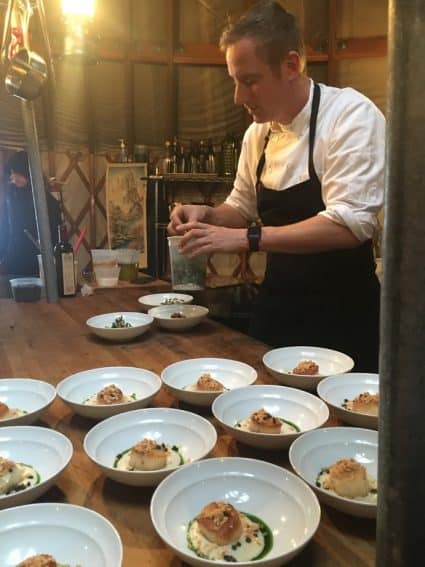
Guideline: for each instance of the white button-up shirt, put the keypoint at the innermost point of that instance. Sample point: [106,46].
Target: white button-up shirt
[349,156]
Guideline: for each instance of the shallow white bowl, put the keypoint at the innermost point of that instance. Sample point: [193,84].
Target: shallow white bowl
[46,450]
[231,373]
[100,325]
[72,534]
[33,396]
[193,315]
[194,435]
[303,409]
[156,299]
[321,448]
[281,361]
[80,386]
[335,389]
[279,498]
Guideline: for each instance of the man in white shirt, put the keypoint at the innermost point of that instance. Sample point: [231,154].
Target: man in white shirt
[310,178]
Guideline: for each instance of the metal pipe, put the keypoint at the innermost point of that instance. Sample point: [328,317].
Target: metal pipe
[40,200]
[401,475]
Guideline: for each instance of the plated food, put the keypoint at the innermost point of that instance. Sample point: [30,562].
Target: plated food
[31,458]
[220,532]
[102,392]
[199,381]
[58,535]
[269,416]
[348,478]
[148,455]
[168,298]
[304,366]
[122,326]
[142,447]
[340,464]
[178,318]
[23,400]
[234,510]
[354,397]
[15,477]
[109,395]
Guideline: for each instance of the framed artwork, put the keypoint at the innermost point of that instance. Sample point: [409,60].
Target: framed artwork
[126,207]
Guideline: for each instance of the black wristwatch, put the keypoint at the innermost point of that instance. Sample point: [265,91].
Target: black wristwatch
[254,237]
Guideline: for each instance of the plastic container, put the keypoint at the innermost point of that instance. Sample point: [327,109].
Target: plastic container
[186,273]
[26,289]
[106,276]
[104,257]
[128,260]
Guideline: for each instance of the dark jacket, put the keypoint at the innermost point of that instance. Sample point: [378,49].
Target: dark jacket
[17,213]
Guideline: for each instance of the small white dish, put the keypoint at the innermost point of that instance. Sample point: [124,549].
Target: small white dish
[169,298]
[76,388]
[273,494]
[31,396]
[189,316]
[334,390]
[297,407]
[46,450]
[101,325]
[193,435]
[181,375]
[282,361]
[73,535]
[319,449]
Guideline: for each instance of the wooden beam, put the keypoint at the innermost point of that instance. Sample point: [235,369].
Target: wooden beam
[332,43]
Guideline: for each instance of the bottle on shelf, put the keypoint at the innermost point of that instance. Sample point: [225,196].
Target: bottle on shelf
[123,151]
[194,157]
[211,161]
[202,157]
[64,261]
[229,154]
[169,162]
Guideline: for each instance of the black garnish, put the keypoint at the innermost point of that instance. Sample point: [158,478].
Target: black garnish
[248,539]
[230,558]
[373,491]
[174,448]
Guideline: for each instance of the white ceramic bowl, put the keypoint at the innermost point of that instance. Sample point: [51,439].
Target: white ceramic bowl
[231,373]
[73,535]
[46,450]
[321,448]
[193,315]
[301,408]
[193,435]
[273,494]
[335,389]
[101,325]
[82,385]
[281,361]
[156,299]
[32,396]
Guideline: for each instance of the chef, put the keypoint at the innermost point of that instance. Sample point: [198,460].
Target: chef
[308,190]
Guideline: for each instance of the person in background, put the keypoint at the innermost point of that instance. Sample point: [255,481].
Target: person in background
[308,189]
[17,253]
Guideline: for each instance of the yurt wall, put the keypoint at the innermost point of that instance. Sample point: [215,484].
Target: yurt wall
[159,74]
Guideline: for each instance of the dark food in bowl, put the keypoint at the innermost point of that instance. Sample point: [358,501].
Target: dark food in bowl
[120,323]
[178,315]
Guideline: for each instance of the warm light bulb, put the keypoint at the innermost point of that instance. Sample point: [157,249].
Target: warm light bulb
[78,7]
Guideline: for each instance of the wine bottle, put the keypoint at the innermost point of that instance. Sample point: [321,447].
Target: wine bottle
[64,260]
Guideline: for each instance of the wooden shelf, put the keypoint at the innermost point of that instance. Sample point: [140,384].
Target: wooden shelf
[361,47]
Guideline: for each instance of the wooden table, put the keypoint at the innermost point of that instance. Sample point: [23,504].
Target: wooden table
[51,341]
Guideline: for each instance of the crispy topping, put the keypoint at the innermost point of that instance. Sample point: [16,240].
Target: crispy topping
[262,417]
[148,447]
[207,383]
[347,468]
[6,465]
[307,367]
[110,395]
[4,408]
[41,560]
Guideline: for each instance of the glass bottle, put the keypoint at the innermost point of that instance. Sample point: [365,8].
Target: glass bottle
[228,146]
[202,157]
[211,161]
[64,261]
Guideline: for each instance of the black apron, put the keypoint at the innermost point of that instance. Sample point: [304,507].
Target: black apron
[327,299]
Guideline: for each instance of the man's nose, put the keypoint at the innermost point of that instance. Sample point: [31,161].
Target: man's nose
[239,96]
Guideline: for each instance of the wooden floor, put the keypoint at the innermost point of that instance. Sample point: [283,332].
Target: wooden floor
[51,341]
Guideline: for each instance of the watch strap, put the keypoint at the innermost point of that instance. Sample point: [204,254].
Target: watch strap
[254,237]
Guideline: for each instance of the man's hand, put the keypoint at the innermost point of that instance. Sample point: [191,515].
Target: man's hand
[182,214]
[201,238]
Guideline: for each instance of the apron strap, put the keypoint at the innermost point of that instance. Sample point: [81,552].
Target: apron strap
[312,134]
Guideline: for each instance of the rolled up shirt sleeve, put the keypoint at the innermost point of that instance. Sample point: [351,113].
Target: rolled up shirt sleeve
[353,169]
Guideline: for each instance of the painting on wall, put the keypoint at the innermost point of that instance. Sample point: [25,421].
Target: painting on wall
[126,207]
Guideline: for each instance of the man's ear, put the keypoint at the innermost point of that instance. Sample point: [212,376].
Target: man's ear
[292,65]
